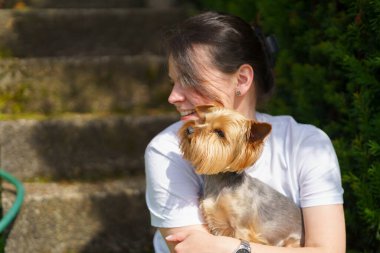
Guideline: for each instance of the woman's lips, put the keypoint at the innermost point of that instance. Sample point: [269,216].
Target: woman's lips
[188,114]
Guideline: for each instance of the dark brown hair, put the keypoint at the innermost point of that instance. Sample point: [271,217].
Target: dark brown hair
[231,41]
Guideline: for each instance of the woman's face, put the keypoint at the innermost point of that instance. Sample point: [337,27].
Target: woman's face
[218,84]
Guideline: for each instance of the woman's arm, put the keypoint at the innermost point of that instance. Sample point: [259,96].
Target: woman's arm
[196,238]
[165,232]
[325,228]
[324,233]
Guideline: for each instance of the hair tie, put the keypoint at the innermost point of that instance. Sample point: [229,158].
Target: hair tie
[270,45]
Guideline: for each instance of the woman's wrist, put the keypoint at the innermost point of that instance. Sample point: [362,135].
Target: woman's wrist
[227,244]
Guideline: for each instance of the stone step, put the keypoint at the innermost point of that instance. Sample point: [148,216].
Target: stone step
[83,84]
[101,217]
[87,3]
[85,32]
[73,4]
[78,147]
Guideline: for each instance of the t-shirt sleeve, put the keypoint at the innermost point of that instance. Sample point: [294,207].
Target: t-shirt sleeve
[172,187]
[319,172]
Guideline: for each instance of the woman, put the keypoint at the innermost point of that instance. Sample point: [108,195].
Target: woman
[220,58]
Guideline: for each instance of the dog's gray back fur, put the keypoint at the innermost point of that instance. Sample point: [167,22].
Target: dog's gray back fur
[279,217]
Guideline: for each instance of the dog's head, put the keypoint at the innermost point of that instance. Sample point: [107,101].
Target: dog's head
[222,140]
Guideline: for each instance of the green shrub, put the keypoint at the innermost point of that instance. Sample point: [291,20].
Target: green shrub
[328,74]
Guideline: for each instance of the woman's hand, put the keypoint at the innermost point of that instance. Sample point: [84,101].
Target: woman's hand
[197,241]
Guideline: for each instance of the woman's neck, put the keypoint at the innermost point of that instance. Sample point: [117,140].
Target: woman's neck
[246,105]
[248,111]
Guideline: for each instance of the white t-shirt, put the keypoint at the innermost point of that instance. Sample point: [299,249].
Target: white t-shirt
[298,160]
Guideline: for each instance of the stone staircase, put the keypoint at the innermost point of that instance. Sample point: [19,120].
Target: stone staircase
[82,91]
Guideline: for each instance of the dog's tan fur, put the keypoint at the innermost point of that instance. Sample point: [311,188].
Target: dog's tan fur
[221,145]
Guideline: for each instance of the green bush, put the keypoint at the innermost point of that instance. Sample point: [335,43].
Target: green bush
[328,74]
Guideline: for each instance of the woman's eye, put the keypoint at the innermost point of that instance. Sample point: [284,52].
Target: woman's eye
[219,132]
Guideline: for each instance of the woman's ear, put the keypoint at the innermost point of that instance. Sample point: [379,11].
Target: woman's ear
[244,76]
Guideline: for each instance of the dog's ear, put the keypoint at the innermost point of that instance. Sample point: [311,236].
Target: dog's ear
[203,109]
[259,131]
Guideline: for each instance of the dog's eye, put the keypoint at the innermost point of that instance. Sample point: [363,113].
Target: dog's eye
[219,132]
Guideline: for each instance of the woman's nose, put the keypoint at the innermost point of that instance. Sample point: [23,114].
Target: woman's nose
[177,94]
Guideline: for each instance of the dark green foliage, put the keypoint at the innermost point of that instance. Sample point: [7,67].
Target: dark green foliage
[246,9]
[328,74]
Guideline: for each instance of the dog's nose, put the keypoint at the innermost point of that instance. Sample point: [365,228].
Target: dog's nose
[189,130]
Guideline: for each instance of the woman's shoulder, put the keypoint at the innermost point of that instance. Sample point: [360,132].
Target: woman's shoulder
[280,120]
[286,126]
[167,137]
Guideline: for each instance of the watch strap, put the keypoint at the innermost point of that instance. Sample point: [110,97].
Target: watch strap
[243,247]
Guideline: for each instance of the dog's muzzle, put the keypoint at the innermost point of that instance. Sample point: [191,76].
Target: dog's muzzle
[189,130]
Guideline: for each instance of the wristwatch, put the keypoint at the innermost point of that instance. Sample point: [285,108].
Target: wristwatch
[244,247]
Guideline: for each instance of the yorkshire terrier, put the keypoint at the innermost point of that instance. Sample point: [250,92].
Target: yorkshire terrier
[220,145]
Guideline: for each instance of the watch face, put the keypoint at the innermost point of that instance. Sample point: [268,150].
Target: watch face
[242,251]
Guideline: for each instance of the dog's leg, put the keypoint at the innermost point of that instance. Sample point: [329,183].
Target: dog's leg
[216,219]
[250,234]
[292,242]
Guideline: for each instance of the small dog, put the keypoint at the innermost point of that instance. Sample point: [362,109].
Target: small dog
[220,145]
